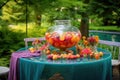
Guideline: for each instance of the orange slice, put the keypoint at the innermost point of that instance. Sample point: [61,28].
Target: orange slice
[62,37]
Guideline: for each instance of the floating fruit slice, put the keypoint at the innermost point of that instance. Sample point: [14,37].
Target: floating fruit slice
[63,46]
[56,39]
[62,37]
[68,36]
[56,44]
[50,40]
[74,38]
[64,40]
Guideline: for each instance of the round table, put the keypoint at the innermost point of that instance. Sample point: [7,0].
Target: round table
[34,69]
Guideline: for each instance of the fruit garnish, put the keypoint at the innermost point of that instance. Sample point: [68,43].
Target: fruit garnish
[63,40]
[101,54]
[62,37]
[32,50]
[97,56]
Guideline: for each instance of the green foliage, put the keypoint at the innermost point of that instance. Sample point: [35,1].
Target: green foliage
[95,21]
[108,10]
[13,12]
[4,61]
[37,31]
[65,9]
[9,39]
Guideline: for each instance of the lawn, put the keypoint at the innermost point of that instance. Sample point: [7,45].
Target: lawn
[105,28]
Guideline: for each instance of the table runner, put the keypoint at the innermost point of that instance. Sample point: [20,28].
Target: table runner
[13,74]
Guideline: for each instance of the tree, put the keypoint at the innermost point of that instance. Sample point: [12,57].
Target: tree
[38,7]
[13,12]
[2,3]
[63,9]
[109,10]
[84,27]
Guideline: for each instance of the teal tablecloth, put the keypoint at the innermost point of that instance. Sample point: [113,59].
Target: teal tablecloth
[81,70]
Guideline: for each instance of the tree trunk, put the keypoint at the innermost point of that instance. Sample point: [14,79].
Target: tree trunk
[84,26]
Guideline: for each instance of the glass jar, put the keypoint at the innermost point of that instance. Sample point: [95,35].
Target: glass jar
[62,35]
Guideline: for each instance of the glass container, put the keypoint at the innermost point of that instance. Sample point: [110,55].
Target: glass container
[62,35]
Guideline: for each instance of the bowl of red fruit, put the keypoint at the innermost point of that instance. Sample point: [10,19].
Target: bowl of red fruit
[63,35]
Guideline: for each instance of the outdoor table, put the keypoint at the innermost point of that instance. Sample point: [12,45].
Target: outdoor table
[34,69]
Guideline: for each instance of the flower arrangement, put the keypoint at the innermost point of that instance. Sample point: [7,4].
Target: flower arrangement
[38,46]
[90,41]
[87,52]
[93,40]
[83,49]
[89,47]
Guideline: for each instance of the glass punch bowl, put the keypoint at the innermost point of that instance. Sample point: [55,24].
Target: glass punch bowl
[62,35]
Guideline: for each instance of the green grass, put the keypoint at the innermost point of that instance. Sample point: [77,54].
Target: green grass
[105,28]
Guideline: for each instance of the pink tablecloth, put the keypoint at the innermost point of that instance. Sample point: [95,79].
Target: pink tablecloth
[13,73]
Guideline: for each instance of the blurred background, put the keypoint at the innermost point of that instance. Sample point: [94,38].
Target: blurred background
[20,19]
